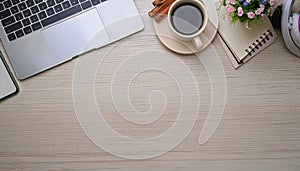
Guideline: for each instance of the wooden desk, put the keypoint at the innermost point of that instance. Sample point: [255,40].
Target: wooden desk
[259,130]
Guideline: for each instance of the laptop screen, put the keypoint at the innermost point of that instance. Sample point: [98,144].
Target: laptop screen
[7,85]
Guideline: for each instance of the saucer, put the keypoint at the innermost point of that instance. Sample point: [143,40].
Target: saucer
[166,37]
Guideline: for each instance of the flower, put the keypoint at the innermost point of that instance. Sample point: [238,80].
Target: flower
[233,2]
[248,1]
[247,25]
[245,3]
[230,9]
[250,15]
[228,18]
[264,2]
[258,11]
[272,2]
[240,11]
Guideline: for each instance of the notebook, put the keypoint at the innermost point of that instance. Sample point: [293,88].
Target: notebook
[8,86]
[240,43]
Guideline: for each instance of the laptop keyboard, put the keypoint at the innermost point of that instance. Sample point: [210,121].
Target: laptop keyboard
[22,17]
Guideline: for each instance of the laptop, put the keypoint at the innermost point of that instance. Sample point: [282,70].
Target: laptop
[40,34]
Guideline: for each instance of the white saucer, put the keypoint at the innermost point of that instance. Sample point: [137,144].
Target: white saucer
[165,36]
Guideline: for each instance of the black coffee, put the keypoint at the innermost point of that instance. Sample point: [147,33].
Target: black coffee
[187,19]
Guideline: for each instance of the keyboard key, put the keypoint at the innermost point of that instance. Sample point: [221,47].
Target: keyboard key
[1,7]
[42,15]
[19,33]
[95,2]
[59,1]
[50,3]
[66,4]
[14,9]
[34,18]
[103,0]
[29,3]
[50,11]
[7,4]
[38,1]
[19,16]
[86,5]
[27,30]
[69,12]
[26,13]
[15,2]
[26,22]
[74,2]
[4,14]
[8,21]
[43,6]
[58,8]
[36,26]
[11,37]
[13,27]
[22,6]
[34,9]
[81,1]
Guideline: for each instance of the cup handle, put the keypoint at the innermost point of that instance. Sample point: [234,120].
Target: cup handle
[197,43]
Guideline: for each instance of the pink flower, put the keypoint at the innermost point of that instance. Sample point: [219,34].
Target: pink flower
[272,2]
[228,18]
[230,9]
[247,26]
[262,14]
[250,15]
[258,11]
[240,11]
[262,7]
[248,1]
[227,2]
[232,2]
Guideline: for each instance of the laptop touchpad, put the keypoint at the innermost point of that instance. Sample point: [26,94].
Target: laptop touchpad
[76,35]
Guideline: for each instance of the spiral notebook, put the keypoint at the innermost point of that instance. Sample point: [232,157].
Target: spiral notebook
[240,43]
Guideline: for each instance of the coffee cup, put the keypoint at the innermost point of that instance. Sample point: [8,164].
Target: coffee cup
[187,19]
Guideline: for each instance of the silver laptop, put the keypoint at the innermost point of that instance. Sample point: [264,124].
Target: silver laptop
[40,34]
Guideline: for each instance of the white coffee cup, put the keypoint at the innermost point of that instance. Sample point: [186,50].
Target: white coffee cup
[187,20]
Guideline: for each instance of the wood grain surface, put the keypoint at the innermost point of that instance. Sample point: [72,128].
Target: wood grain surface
[259,130]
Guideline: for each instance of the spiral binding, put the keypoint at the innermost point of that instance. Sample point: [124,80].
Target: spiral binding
[259,42]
